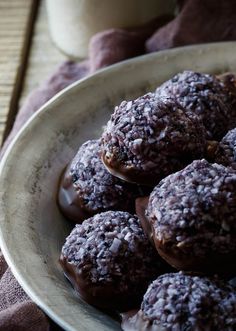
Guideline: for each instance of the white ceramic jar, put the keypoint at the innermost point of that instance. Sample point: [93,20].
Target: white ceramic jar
[73,22]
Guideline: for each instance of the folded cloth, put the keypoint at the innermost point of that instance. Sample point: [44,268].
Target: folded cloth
[17,311]
[198,21]
[115,45]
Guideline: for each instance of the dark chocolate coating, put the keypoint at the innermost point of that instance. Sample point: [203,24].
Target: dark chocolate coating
[87,188]
[207,97]
[110,261]
[226,151]
[147,139]
[181,301]
[229,81]
[192,214]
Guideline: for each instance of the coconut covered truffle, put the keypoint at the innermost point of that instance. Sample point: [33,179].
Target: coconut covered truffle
[192,217]
[109,260]
[176,302]
[226,151]
[207,97]
[87,188]
[148,138]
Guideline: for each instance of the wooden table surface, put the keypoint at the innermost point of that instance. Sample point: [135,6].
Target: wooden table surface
[27,55]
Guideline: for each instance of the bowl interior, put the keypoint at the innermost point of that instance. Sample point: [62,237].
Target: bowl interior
[32,230]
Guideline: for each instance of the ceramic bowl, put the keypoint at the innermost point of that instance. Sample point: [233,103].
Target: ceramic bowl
[32,230]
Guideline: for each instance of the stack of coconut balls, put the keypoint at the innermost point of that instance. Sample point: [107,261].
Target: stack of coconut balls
[155,203]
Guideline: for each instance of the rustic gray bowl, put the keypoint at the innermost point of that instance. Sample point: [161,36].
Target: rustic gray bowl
[32,230]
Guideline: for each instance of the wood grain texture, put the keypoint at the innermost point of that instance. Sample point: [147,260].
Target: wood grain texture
[15,21]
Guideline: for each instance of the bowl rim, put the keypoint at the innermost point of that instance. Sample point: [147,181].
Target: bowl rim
[110,70]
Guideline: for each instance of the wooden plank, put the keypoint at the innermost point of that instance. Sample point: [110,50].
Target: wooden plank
[7,4]
[16,21]
[10,33]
